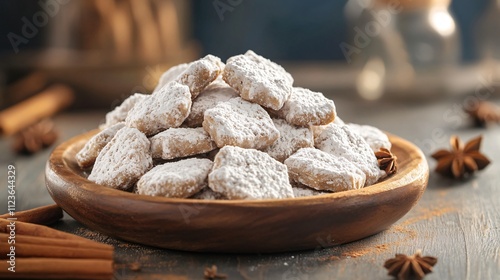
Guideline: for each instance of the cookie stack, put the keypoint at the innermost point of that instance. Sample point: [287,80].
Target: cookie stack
[239,130]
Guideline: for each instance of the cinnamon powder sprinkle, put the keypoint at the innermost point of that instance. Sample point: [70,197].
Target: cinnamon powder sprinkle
[410,235]
[427,214]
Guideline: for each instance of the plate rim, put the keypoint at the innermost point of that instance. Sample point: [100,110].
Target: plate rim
[58,166]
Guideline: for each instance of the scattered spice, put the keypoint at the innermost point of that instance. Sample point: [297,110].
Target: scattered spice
[483,113]
[462,160]
[211,273]
[357,252]
[36,137]
[332,258]
[425,214]
[402,234]
[387,161]
[410,267]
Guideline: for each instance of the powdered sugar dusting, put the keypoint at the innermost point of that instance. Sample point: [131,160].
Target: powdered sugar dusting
[167,108]
[181,142]
[119,114]
[249,174]
[194,111]
[240,123]
[201,73]
[87,155]
[322,171]
[123,160]
[373,136]
[317,129]
[170,75]
[176,179]
[291,139]
[342,141]
[306,107]
[257,82]
[262,60]
[215,93]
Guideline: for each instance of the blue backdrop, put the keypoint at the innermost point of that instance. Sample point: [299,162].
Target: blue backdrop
[296,29]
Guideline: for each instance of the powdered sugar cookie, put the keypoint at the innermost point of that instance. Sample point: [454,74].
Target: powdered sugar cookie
[306,107]
[373,136]
[167,108]
[248,174]
[123,160]
[178,179]
[181,142]
[119,114]
[342,141]
[292,138]
[208,194]
[322,171]
[87,155]
[317,129]
[216,92]
[257,82]
[171,75]
[240,123]
[262,60]
[199,74]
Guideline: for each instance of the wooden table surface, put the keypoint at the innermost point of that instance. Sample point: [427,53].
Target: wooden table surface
[458,222]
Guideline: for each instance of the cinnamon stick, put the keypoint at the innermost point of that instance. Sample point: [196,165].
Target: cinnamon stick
[43,231]
[27,239]
[44,215]
[48,251]
[44,104]
[57,268]
[26,86]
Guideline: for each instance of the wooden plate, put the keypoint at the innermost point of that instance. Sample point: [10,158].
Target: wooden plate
[237,226]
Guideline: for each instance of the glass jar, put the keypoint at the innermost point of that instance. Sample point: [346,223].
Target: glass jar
[413,53]
[488,39]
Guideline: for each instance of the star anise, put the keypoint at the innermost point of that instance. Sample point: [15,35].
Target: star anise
[35,137]
[484,112]
[387,161]
[211,273]
[410,267]
[461,160]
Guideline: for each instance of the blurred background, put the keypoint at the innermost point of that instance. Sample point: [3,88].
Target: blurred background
[104,50]
[418,69]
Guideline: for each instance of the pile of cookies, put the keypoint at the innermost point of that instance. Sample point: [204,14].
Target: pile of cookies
[239,130]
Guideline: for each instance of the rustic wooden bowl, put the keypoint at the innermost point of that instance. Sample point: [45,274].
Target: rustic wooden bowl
[237,226]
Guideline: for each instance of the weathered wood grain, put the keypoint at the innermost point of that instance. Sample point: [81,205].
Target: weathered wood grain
[458,222]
